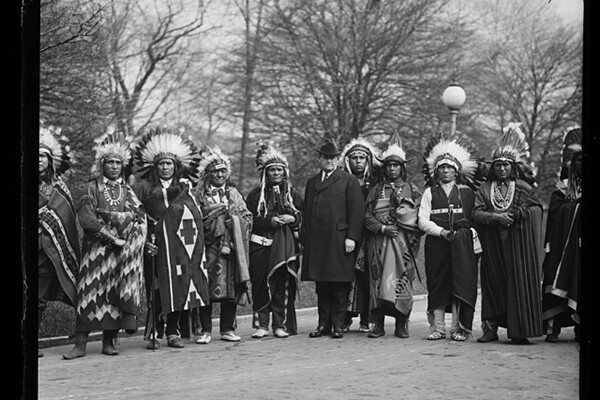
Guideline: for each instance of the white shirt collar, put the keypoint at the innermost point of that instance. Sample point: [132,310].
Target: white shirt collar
[105,179]
[447,187]
[166,183]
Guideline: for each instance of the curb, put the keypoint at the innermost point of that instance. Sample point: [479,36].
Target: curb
[94,336]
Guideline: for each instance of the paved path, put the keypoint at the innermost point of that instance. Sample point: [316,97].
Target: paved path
[300,367]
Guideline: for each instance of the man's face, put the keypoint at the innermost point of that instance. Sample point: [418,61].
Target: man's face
[43,163]
[217,177]
[274,174]
[392,170]
[358,163]
[327,163]
[446,173]
[112,168]
[502,169]
[166,168]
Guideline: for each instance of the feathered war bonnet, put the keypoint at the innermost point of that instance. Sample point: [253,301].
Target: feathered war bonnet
[513,148]
[51,146]
[268,155]
[572,147]
[108,146]
[453,149]
[395,152]
[212,158]
[158,144]
[361,145]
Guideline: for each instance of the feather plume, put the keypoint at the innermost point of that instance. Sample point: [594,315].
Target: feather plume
[157,144]
[113,144]
[394,149]
[268,154]
[212,156]
[455,149]
[54,145]
[361,143]
[513,145]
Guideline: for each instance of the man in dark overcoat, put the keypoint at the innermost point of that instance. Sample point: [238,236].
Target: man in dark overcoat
[331,231]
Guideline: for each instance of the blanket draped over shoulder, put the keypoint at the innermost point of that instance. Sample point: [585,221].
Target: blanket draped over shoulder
[392,260]
[228,271]
[510,266]
[59,239]
[110,277]
[182,276]
[562,263]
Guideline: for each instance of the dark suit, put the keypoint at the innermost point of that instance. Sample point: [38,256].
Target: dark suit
[334,211]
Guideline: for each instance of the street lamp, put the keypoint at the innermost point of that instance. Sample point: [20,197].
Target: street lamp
[454,97]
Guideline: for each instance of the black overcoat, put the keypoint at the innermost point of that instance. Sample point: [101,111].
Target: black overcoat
[334,211]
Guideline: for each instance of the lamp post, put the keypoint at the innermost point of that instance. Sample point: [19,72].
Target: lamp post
[454,97]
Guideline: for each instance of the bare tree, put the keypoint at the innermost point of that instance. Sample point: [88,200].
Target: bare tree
[530,71]
[148,56]
[71,45]
[339,69]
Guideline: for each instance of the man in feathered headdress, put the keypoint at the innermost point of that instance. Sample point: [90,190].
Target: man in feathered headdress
[331,230]
[508,215]
[392,242]
[445,217]
[227,225]
[176,280]
[114,233]
[562,263]
[361,159]
[58,248]
[274,251]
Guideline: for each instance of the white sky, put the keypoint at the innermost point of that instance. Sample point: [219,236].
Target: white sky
[569,9]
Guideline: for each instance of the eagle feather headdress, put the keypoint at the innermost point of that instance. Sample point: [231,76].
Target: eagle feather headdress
[54,147]
[158,144]
[513,146]
[113,144]
[268,155]
[213,157]
[454,149]
[361,144]
[394,151]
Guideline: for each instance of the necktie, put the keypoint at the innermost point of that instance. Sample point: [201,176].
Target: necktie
[325,176]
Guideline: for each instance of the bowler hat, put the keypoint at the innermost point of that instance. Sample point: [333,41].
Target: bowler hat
[329,149]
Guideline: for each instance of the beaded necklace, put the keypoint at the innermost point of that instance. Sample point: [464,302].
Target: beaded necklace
[502,202]
[109,198]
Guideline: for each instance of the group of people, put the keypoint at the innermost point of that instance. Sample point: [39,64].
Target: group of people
[185,232]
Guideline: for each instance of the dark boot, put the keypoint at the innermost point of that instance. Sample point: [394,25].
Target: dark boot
[108,342]
[378,331]
[553,336]
[490,332]
[79,348]
[401,327]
